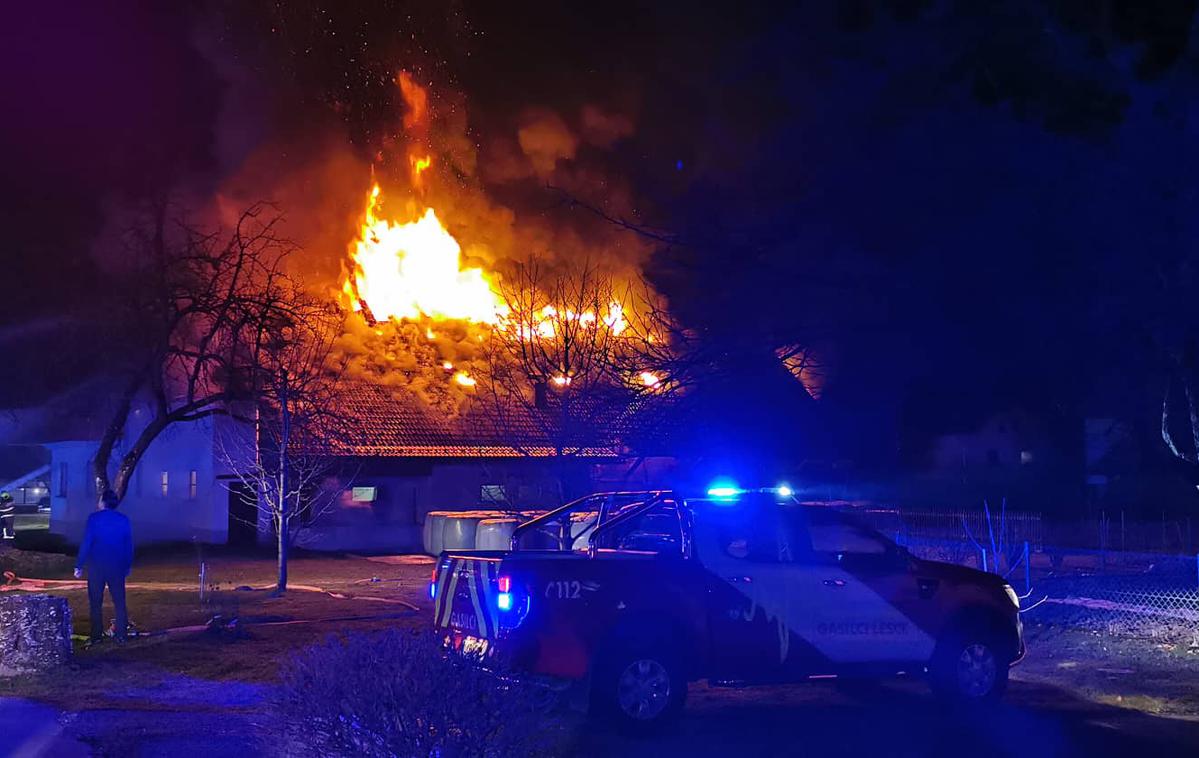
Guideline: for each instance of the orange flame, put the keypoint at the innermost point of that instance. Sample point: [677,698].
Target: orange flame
[417,99]
[404,271]
[418,167]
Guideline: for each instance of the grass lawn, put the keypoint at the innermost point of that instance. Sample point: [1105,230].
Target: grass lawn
[181,682]
[328,596]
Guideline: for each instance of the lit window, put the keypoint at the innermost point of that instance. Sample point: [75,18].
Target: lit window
[166,481]
[193,481]
[364,494]
[62,480]
[1026,456]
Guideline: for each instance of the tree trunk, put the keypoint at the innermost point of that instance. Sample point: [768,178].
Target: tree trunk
[129,461]
[113,432]
[281,586]
[284,482]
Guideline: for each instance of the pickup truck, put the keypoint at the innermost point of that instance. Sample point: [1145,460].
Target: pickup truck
[629,596]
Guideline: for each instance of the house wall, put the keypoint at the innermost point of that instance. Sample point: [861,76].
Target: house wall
[408,489]
[182,512]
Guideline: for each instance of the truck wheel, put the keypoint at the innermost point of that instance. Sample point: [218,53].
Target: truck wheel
[970,666]
[640,689]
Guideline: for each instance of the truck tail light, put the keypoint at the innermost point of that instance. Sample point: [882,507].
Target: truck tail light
[503,600]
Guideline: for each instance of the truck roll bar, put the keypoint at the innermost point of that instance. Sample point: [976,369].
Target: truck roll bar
[603,500]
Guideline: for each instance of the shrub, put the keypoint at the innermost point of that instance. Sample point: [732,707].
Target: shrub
[398,694]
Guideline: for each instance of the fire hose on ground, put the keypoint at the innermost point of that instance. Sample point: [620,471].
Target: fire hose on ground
[14,583]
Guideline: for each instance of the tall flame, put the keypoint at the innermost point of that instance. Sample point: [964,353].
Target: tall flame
[412,269]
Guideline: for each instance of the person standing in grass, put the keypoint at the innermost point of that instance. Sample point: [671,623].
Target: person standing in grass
[107,554]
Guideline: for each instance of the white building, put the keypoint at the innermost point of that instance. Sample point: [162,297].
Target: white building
[404,460]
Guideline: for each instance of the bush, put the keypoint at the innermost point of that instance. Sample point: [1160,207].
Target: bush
[398,694]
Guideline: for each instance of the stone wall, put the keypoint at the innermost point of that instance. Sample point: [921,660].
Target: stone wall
[35,632]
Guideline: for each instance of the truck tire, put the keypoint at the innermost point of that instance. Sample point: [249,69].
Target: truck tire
[970,665]
[640,688]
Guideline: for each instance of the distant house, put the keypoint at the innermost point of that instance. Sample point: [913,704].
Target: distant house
[1003,440]
[999,455]
[401,461]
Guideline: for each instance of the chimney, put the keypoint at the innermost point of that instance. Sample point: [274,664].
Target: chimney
[540,396]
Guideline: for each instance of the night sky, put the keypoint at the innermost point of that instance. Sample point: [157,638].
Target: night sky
[966,204]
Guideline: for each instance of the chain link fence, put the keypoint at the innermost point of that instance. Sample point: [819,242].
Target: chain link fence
[1143,594]
[1148,595]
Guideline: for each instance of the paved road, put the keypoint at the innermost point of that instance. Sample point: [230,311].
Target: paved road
[822,719]
[31,730]
[901,719]
[171,716]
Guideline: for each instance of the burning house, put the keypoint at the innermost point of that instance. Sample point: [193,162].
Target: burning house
[477,363]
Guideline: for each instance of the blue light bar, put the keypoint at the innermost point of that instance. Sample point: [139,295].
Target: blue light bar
[784,491]
[503,601]
[432,590]
[724,492]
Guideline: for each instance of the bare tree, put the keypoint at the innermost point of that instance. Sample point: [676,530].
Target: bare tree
[186,328]
[284,453]
[574,358]
[1188,449]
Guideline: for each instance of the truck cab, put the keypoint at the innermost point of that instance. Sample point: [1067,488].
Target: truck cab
[630,596]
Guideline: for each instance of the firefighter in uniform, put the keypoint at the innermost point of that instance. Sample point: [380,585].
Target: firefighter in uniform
[8,517]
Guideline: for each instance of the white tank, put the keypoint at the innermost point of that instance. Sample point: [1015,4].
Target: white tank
[434,531]
[494,533]
[459,531]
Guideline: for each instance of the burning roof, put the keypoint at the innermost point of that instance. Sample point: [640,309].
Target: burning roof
[389,423]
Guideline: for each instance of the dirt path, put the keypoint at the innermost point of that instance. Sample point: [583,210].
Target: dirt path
[163,715]
[32,730]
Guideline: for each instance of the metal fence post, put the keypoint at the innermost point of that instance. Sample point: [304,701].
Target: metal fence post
[1027,571]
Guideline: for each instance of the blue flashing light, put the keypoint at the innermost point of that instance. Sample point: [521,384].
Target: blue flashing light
[784,491]
[432,590]
[503,601]
[724,489]
[723,492]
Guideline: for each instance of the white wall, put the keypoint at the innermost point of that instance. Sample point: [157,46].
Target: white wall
[407,491]
[182,513]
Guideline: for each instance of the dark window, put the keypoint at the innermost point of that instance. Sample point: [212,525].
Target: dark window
[838,537]
[762,533]
[62,479]
[842,538]
[655,531]
[493,493]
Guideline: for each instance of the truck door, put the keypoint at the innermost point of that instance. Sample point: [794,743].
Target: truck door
[749,572]
[866,604]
